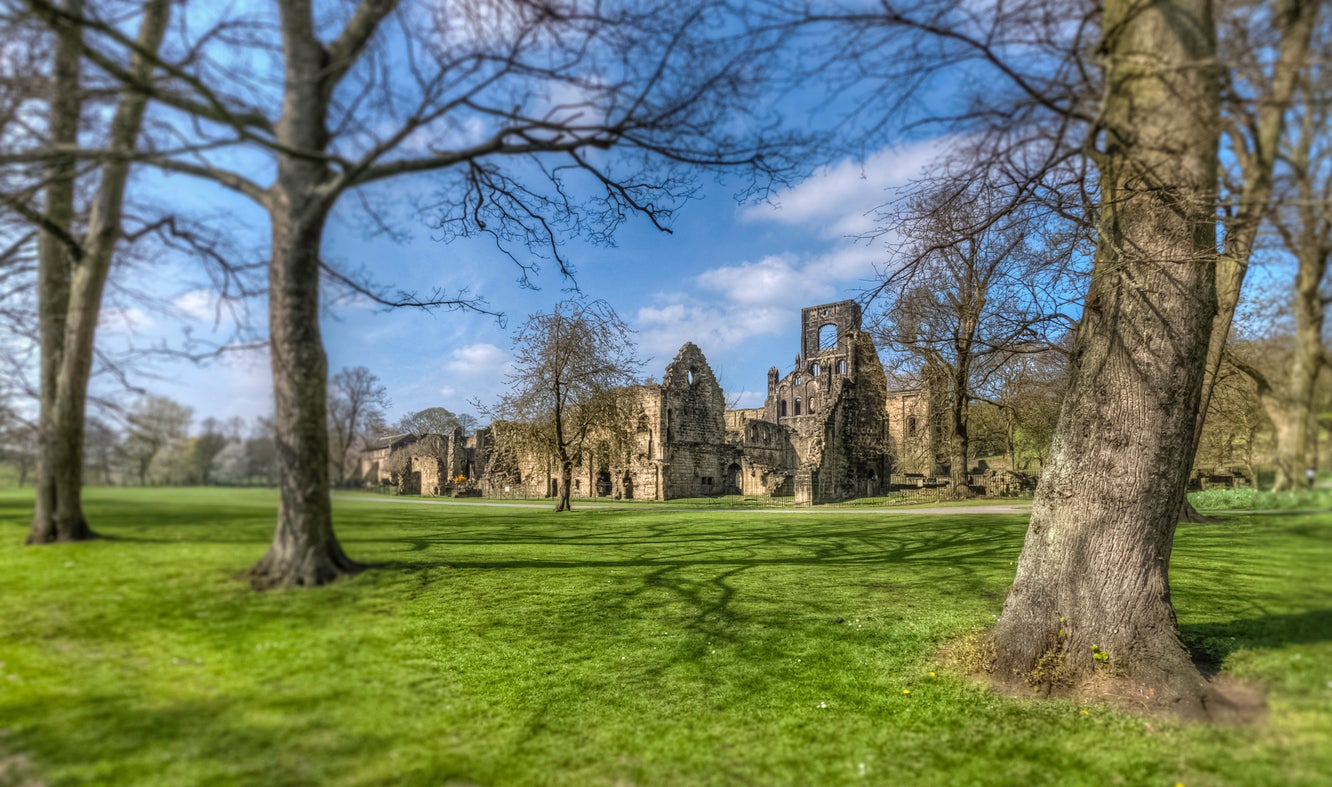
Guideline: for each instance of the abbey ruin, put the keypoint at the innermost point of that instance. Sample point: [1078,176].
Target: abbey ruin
[828,430]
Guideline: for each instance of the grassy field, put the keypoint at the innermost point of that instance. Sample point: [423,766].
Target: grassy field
[514,646]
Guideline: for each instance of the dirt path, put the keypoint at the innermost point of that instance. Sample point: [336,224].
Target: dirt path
[1005,509]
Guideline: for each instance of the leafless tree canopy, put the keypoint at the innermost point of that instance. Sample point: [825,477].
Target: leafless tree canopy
[571,367]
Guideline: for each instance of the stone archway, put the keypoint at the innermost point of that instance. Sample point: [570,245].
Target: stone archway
[732,486]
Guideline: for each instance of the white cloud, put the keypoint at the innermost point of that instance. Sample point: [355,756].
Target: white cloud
[475,372]
[715,328]
[474,357]
[198,304]
[121,319]
[778,280]
[842,199]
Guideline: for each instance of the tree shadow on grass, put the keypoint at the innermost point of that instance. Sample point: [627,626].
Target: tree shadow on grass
[104,737]
[703,570]
[1211,643]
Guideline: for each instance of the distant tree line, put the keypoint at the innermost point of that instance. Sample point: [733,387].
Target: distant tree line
[156,442]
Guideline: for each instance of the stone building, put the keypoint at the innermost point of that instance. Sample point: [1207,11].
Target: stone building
[833,404]
[915,431]
[827,431]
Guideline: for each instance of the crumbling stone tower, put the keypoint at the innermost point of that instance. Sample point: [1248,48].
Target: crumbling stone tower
[833,401]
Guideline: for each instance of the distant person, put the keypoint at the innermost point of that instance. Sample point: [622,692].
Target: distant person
[1309,476]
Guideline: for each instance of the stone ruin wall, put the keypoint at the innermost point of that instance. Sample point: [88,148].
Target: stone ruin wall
[684,443]
[696,459]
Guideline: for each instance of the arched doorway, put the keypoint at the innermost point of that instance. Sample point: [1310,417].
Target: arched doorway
[732,480]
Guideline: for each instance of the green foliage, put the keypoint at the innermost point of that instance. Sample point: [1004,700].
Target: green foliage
[1250,499]
[499,645]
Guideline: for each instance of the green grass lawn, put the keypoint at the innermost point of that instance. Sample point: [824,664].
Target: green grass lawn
[515,646]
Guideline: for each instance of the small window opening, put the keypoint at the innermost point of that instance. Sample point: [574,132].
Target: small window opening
[841,367]
[781,409]
[797,406]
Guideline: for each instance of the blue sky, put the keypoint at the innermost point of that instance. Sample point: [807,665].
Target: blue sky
[731,278]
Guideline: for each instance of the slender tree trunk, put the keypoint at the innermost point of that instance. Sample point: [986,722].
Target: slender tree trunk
[87,284]
[1292,415]
[566,484]
[305,551]
[1297,18]
[1094,570]
[959,444]
[53,280]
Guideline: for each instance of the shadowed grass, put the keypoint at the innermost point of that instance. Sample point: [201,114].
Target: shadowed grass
[513,646]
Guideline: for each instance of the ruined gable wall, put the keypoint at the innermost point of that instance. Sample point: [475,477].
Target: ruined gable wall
[695,457]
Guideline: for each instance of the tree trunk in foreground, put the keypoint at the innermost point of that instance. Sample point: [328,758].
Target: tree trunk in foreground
[1092,586]
[304,552]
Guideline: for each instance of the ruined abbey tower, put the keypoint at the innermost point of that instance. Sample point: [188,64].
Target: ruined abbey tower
[823,433]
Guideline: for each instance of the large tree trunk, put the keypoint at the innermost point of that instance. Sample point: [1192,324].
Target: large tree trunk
[1094,570]
[305,551]
[55,258]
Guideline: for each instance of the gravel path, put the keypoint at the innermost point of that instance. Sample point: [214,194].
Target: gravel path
[1008,509]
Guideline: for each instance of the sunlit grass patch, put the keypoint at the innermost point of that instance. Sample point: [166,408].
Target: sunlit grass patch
[497,645]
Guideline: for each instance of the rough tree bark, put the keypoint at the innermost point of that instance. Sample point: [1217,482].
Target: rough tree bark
[304,551]
[76,285]
[1094,570]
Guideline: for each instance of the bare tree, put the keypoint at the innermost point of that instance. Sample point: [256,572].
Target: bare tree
[1093,575]
[969,293]
[1302,220]
[569,368]
[151,425]
[514,103]
[356,399]
[74,261]
[1269,50]
[1081,129]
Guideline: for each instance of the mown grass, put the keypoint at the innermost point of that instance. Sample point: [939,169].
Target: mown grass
[1250,499]
[515,646]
